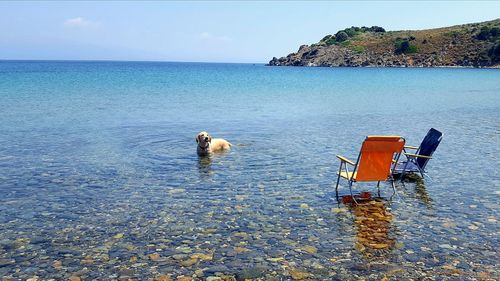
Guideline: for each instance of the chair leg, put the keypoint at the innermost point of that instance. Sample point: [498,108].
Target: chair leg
[394,192]
[338,180]
[404,170]
[352,194]
[421,173]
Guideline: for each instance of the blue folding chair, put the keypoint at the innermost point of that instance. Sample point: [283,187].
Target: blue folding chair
[416,162]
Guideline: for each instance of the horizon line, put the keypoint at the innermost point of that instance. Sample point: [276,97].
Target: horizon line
[112,60]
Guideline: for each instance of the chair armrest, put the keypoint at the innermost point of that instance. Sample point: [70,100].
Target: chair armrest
[411,147]
[343,159]
[417,155]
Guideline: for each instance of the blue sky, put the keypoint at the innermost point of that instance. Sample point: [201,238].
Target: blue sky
[206,31]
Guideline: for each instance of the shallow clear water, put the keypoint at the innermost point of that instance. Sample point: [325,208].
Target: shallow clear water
[99,176]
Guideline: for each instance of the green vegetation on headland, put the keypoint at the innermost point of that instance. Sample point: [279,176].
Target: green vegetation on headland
[467,45]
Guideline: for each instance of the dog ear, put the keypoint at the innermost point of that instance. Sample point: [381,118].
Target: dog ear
[209,138]
[197,138]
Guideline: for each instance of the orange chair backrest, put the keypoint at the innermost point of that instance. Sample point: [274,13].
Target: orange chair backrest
[376,157]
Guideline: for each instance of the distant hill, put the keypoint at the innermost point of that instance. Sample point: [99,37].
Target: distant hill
[467,45]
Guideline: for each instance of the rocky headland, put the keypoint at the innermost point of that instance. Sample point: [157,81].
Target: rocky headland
[467,45]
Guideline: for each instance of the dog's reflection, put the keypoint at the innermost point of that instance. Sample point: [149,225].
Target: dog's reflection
[205,166]
[373,220]
[206,163]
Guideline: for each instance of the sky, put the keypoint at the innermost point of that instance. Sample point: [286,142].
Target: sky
[224,31]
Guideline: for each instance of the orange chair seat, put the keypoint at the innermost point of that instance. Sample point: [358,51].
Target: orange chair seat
[348,175]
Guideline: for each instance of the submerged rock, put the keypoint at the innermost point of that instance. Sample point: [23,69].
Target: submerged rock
[299,275]
[163,278]
[215,269]
[6,262]
[251,273]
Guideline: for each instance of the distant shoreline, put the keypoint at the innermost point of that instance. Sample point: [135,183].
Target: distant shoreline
[474,45]
[234,63]
[370,66]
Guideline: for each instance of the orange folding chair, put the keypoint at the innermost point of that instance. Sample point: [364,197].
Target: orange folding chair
[374,161]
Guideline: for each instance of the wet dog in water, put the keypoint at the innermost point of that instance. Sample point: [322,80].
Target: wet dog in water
[207,145]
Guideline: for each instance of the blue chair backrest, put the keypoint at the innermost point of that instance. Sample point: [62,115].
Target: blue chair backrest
[428,146]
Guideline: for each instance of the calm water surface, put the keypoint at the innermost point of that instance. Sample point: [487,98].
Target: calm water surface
[99,176]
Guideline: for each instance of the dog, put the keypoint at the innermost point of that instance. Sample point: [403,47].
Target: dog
[208,145]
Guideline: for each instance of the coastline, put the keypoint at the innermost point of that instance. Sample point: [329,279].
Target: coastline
[389,66]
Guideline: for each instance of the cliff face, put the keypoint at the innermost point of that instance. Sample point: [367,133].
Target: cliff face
[468,45]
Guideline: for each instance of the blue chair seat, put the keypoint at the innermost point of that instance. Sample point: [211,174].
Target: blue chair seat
[410,168]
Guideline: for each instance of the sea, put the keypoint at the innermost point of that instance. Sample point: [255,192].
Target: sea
[100,180]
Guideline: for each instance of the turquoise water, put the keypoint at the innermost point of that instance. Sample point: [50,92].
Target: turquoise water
[99,176]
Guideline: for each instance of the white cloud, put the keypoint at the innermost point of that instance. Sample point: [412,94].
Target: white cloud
[207,36]
[80,22]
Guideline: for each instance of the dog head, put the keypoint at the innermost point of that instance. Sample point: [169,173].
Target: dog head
[203,139]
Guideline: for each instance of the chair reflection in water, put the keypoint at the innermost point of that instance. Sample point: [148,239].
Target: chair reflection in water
[372,220]
[374,162]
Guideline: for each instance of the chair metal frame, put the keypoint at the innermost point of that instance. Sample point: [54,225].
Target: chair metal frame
[344,161]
